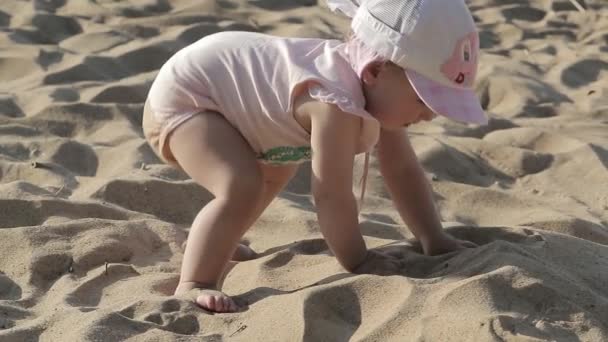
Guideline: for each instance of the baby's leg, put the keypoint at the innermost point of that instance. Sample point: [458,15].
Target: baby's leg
[275,179]
[217,157]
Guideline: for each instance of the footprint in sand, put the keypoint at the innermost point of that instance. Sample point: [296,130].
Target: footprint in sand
[170,314]
[342,300]
[91,292]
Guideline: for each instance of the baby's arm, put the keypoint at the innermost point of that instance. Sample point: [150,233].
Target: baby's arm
[407,184]
[333,140]
[412,195]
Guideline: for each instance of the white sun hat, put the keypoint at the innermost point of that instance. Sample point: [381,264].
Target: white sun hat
[434,41]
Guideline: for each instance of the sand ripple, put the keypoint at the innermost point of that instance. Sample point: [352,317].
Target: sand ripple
[92,224]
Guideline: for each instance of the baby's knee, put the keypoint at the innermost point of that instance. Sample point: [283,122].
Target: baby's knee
[243,191]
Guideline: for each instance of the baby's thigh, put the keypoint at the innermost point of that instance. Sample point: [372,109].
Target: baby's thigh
[278,174]
[214,154]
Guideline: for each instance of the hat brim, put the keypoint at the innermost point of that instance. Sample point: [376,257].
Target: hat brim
[454,103]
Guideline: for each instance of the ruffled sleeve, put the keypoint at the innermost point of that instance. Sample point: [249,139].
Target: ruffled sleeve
[370,132]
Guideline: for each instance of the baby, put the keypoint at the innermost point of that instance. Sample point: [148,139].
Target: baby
[238,111]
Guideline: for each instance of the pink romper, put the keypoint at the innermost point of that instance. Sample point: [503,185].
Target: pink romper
[250,79]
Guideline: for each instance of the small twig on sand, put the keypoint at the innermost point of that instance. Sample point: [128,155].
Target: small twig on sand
[58,191]
[40,165]
[578,6]
[107,268]
[240,329]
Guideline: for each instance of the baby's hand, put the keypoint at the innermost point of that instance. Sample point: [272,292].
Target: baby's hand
[444,243]
[379,263]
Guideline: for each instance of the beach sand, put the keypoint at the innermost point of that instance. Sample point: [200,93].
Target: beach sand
[92,223]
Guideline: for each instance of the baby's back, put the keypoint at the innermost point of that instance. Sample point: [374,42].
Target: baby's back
[239,71]
[249,78]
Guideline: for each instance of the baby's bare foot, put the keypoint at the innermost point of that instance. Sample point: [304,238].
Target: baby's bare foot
[207,297]
[243,253]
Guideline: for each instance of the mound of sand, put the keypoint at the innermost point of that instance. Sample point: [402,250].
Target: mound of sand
[90,236]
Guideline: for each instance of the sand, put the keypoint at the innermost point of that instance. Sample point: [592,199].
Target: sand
[92,223]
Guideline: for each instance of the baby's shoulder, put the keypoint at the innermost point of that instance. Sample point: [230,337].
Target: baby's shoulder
[308,107]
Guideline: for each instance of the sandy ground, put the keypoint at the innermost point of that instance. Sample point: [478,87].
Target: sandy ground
[90,238]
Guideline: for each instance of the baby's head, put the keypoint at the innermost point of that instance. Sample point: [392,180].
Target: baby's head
[389,95]
[414,58]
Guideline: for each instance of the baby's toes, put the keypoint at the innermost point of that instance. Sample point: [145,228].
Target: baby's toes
[216,302]
[206,302]
[220,304]
[226,304]
[233,306]
[210,302]
[229,305]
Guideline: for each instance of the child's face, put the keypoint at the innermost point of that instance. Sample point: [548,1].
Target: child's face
[390,98]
